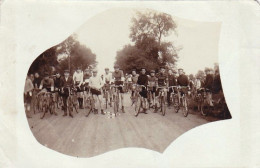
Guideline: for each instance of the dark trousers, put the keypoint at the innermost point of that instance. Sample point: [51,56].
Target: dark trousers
[169,96]
[65,98]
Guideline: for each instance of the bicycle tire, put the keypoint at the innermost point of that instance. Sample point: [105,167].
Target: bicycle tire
[163,106]
[185,108]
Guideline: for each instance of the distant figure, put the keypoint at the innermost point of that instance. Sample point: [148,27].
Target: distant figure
[28,88]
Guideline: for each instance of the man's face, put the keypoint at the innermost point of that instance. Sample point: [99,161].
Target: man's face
[57,75]
[152,74]
[78,70]
[170,72]
[133,72]
[180,72]
[143,71]
[162,70]
[46,77]
[116,69]
[94,74]
[66,74]
[107,71]
[36,75]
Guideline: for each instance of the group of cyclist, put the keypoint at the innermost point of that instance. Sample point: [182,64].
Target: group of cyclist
[89,83]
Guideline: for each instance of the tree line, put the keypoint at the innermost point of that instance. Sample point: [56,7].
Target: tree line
[69,54]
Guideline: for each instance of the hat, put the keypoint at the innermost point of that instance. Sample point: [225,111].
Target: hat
[152,71]
[143,68]
[207,69]
[94,71]
[116,66]
[106,68]
[66,71]
[180,69]
[174,71]
[46,74]
[133,69]
[162,67]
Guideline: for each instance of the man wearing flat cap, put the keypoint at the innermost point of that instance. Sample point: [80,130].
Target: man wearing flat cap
[66,85]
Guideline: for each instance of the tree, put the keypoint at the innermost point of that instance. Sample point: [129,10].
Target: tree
[67,55]
[149,50]
[151,24]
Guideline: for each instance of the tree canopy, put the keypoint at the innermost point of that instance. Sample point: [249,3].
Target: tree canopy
[67,55]
[149,50]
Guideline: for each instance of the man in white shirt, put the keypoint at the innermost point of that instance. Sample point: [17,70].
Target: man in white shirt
[107,79]
[95,84]
[78,81]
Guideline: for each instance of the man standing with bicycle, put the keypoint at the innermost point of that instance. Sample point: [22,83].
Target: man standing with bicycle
[182,81]
[47,85]
[78,81]
[95,84]
[118,77]
[143,82]
[208,86]
[134,79]
[107,79]
[66,85]
[162,83]
[152,84]
[172,82]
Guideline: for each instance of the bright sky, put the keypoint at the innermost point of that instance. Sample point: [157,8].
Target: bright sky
[108,32]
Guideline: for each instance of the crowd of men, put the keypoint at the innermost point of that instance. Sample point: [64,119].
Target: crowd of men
[88,82]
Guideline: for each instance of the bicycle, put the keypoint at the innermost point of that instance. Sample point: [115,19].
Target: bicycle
[72,100]
[174,98]
[140,100]
[183,100]
[162,99]
[106,91]
[48,103]
[116,92]
[134,97]
[91,102]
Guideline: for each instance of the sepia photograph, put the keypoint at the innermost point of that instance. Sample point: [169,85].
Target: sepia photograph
[126,78]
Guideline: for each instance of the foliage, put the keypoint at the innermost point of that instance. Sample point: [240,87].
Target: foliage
[67,55]
[149,50]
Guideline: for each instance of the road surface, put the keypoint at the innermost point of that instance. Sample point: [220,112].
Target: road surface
[96,134]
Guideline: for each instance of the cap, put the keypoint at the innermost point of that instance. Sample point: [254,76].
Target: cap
[143,68]
[174,71]
[46,74]
[66,71]
[207,69]
[162,67]
[152,71]
[180,69]
[94,71]
[116,66]
[133,69]
[106,68]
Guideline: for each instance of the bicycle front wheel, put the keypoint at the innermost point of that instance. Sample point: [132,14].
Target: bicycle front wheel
[163,105]
[185,107]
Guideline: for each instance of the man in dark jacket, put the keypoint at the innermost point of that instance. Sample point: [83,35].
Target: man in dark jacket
[143,80]
[208,85]
[172,82]
[66,85]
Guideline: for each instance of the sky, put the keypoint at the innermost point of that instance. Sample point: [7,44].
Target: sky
[108,32]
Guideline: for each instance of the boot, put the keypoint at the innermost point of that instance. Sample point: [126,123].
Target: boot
[70,115]
[65,113]
[155,109]
[110,102]
[123,110]
[102,112]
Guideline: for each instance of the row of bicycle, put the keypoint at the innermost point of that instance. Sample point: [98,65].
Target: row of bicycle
[154,99]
